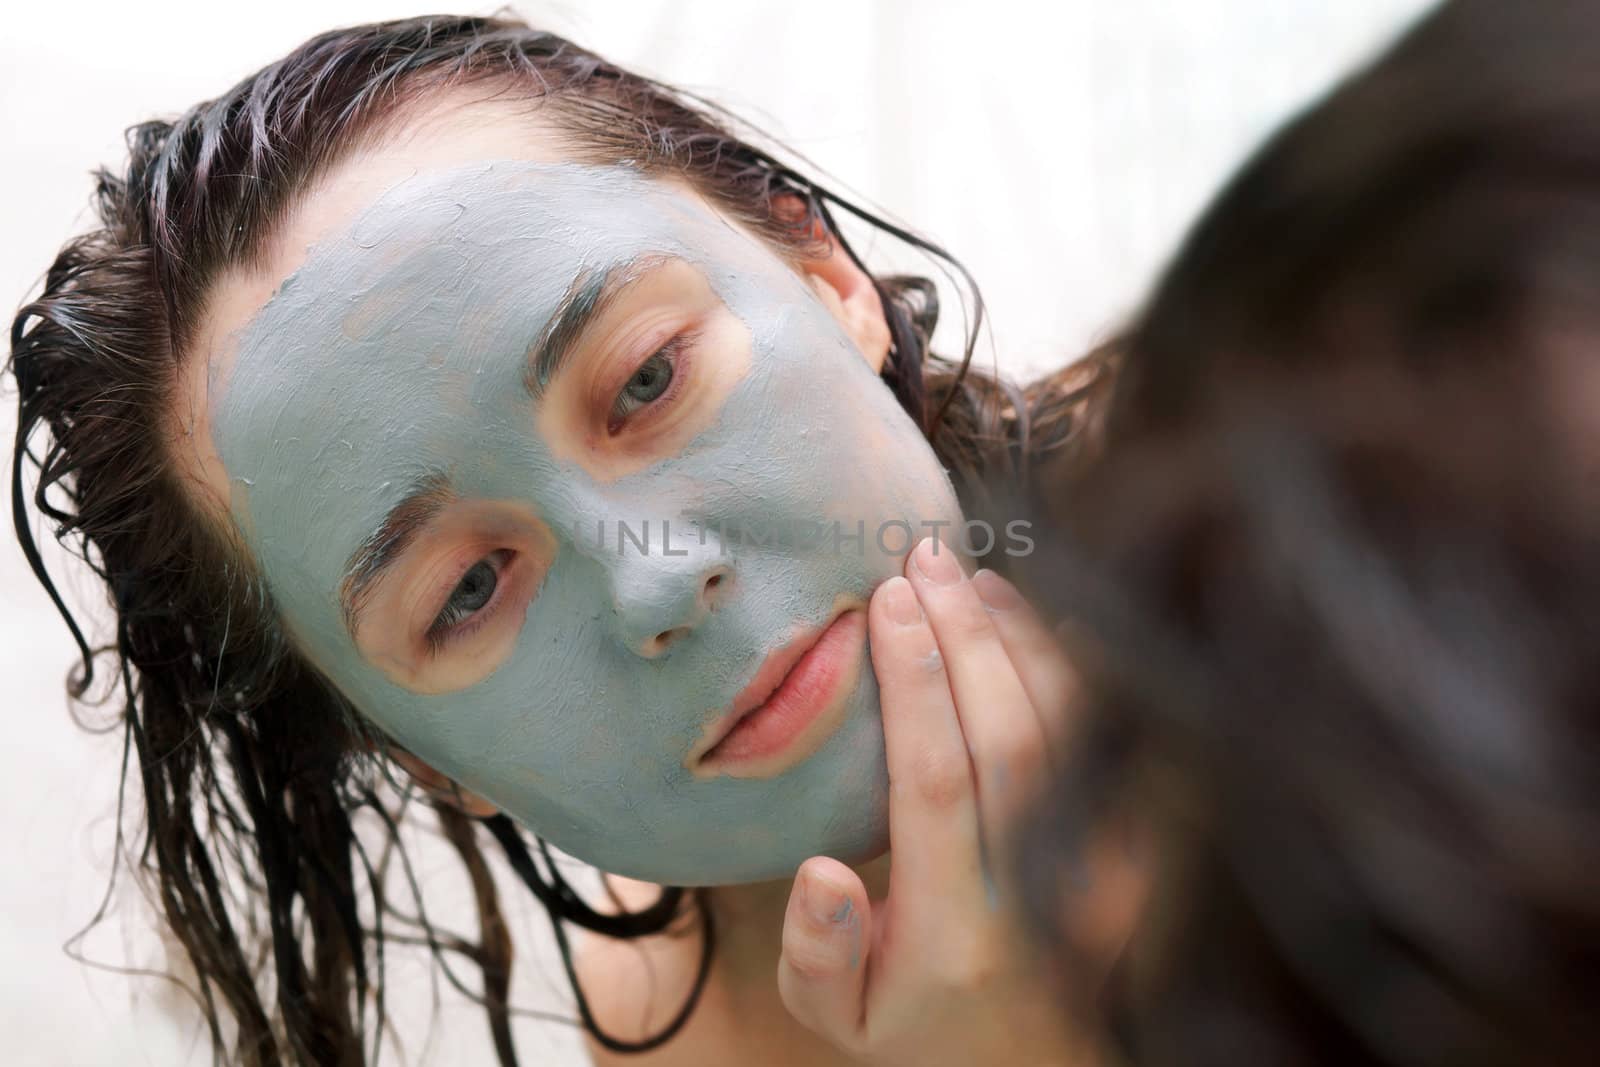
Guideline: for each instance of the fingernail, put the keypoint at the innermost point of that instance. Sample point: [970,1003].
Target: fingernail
[936,562]
[995,591]
[900,602]
[823,904]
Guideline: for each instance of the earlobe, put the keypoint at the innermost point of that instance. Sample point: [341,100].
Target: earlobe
[848,292]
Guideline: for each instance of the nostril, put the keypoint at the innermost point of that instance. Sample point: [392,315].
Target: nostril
[712,590]
[663,640]
[715,585]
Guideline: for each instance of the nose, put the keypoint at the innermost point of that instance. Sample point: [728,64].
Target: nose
[665,589]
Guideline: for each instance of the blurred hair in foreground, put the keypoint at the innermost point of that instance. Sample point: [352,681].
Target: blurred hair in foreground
[1334,582]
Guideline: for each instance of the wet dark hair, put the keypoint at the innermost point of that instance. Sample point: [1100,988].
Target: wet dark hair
[1336,583]
[250,766]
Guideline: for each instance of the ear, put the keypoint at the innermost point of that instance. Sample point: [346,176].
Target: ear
[849,294]
[441,788]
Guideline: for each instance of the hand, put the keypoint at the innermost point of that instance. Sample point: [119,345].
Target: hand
[975,693]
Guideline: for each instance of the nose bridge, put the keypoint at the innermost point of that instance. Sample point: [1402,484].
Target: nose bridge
[667,576]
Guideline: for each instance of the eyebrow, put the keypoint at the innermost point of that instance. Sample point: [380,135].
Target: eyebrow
[373,557]
[589,295]
[585,300]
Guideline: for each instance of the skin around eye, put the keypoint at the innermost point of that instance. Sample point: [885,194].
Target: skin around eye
[653,382]
[472,599]
[611,413]
[449,613]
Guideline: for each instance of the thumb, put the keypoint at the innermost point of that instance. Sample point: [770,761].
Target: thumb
[826,936]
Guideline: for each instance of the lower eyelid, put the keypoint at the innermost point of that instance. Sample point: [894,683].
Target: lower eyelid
[397,642]
[682,359]
[504,581]
[473,623]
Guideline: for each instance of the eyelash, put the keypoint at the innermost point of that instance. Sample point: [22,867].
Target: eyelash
[674,352]
[441,632]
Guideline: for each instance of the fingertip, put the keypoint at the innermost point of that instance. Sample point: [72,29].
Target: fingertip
[828,891]
[896,602]
[819,940]
[935,563]
[830,870]
[996,593]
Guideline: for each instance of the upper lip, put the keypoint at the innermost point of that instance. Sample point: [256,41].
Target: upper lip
[773,672]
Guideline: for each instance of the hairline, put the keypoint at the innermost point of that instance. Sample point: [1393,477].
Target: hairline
[265,258]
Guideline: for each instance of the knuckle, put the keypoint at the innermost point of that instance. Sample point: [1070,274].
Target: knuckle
[1011,777]
[1035,646]
[1059,693]
[1023,754]
[969,967]
[941,779]
[967,622]
[907,649]
[912,668]
[810,957]
[929,663]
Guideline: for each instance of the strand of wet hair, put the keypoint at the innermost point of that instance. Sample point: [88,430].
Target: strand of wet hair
[823,197]
[563,904]
[29,382]
[819,197]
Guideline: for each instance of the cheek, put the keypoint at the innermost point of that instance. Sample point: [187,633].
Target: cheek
[515,727]
[543,707]
[572,424]
[880,464]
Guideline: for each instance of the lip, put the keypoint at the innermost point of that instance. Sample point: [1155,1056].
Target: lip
[790,707]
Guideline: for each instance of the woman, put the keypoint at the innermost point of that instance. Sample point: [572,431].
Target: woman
[1335,586]
[444,391]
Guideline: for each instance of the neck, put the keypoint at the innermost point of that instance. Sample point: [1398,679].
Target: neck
[749,918]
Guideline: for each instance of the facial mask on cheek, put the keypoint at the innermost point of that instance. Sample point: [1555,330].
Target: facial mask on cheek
[398,353]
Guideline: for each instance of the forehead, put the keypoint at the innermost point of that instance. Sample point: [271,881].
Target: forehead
[453,129]
[426,305]
[449,128]
[399,348]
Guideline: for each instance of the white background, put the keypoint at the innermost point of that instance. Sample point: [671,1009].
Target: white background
[1058,147]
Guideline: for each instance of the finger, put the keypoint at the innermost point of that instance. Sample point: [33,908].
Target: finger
[826,934]
[1039,659]
[997,718]
[933,814]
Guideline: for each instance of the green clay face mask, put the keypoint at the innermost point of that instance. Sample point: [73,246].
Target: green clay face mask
[434,370]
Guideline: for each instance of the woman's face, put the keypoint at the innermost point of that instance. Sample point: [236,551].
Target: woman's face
[578,491]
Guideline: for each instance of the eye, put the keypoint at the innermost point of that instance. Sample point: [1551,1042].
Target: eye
[475,590]
[648,384]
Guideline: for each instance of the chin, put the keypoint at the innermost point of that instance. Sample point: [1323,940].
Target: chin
[841,795]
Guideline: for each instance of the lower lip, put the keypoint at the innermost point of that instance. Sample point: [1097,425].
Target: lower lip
[811,687]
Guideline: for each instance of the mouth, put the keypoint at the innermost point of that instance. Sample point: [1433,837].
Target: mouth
[793,704]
